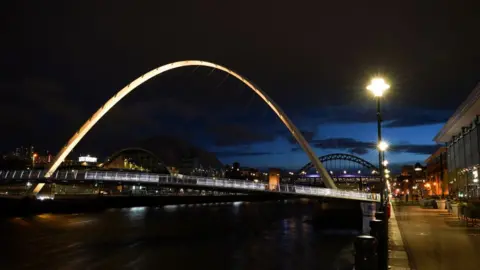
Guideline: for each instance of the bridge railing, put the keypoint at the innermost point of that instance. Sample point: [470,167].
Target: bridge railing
[122,176]
[217,182]
[189,180]
[22,174]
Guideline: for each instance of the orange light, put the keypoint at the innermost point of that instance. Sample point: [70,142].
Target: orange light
[35,155]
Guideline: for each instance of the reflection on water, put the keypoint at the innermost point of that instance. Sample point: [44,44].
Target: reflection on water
[212,236]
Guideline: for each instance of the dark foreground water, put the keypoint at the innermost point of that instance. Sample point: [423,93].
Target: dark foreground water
[271,235]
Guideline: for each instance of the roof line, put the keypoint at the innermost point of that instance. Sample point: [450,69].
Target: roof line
[466,104]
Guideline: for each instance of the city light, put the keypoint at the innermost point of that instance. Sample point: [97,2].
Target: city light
[87,159]
[382,146]
[378,86]
[387,171]
[359,172]
[385,163]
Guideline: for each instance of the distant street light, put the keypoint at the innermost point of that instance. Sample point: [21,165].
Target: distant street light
[418,167]
[382,146]
[385,163]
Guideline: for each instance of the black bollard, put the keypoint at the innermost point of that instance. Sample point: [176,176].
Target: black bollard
[376,228]
[365,253]
[378,231]
[379,215]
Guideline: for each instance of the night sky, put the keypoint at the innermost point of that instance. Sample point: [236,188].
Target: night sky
[61,60]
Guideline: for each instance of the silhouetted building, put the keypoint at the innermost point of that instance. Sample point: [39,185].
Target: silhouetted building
[233,172]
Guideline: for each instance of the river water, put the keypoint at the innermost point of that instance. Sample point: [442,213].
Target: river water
[267,235]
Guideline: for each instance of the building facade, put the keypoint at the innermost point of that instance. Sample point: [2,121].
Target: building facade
[437,173]
[461,135]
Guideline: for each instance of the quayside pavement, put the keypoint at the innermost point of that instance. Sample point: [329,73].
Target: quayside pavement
[433,240]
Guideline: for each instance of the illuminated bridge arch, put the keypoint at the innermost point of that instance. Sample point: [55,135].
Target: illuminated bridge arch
[147,76]
[154,163]
[345,157]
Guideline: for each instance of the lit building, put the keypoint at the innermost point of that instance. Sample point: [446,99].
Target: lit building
[273,178]
[411,179]
[437,180]
[43,160]
[24,152]
[461,135]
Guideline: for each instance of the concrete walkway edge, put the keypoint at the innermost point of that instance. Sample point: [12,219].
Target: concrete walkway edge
[397,254]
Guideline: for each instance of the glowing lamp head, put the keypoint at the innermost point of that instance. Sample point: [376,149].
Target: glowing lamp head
[378,86]
[382,146]
[385,163]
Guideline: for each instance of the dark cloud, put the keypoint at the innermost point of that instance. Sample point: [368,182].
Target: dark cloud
[426,149]
[426,118]
[360,147]
[359,151]
[237,134]
[343,143]
[392,117]
[308,135]
[241,154]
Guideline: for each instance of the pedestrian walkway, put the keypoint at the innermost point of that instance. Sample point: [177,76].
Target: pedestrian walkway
[397,257]
[435,240]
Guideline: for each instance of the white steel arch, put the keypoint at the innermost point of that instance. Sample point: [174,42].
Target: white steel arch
[147,76]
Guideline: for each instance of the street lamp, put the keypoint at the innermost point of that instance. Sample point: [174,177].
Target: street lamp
[378,86]
[385,163]
[382,146]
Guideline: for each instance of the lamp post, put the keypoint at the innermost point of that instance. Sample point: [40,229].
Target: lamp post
[378,86]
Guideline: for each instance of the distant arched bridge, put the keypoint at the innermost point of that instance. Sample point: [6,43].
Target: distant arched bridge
[343,162]
[345,169]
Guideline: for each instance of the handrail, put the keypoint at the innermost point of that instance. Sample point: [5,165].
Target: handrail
[187,180]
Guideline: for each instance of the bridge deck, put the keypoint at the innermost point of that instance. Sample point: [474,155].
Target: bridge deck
[190,181]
